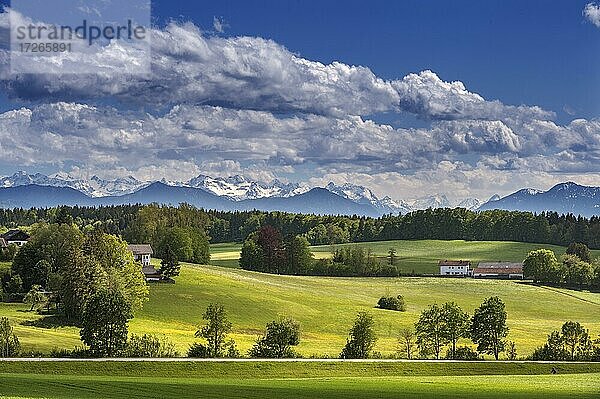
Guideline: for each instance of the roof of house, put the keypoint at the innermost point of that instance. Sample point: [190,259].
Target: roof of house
[15,235]
[3,243]
[454,263]
[141,249]
[506,270]
[150,271]
[500,265]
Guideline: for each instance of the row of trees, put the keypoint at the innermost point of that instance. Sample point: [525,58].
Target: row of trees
[267,251]
[572,342]
[72,267]
[144,224]
[438,326]
[575,269]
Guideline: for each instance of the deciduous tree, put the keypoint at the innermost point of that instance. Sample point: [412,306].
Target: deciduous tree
[280,336]
[488,327]
[216,329]
[362,338]
[105,323]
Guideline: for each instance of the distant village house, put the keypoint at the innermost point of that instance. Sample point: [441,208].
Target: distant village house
[143,253]
[455,267]
[500,270]
[17,237]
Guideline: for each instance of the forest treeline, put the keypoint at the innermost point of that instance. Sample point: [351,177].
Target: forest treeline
[140,223]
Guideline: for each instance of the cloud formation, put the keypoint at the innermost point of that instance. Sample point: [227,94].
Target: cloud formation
[246,73]
[246,105]
[591,12]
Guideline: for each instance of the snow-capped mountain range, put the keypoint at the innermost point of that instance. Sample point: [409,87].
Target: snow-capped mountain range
[238,193]
[236,188]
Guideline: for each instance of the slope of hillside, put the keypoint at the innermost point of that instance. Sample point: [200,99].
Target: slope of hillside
[415,256]
[325,307]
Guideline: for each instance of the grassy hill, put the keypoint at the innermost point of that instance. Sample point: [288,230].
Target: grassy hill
[325,308]
[418,256]
[296,380]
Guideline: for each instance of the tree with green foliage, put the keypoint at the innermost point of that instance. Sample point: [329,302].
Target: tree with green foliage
[576,340]
[8,254]
[511,350]
[581,251]
[50,248]
[35,296]
[299,258]
[79,279]
[542,266]
[216,330]
[279,338]
[431,331]
[488,327]
[456,324]
[169,265]
[13,287]
[9,342]
[361,339]
[392,257]
[553,349]
[577,273]
[396,303]
[406,341]
[189,244]
[118,265]
[105,323]
[150,346]
[252,256]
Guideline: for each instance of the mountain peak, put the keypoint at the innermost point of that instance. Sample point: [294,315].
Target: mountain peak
[568,197]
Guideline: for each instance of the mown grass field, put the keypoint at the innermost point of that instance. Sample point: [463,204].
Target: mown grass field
[415,256]
[297,380]
[325,308]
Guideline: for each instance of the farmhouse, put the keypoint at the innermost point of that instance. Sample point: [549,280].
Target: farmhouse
[455,267]
[17,237]
[506,270]
[141,253]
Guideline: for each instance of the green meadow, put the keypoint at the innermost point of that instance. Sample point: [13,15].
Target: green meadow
[297,380]
[324,306]
[414,256]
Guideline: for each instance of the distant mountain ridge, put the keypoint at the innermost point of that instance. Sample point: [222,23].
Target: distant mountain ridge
[234,188]
[317,200]
[239,193]
[566,197]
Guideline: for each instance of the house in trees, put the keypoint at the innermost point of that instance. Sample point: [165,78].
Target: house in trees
[17,237]
[457,268]
[499,270]
[142,253]
[3,244]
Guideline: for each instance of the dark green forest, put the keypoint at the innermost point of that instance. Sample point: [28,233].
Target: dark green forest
[137,223]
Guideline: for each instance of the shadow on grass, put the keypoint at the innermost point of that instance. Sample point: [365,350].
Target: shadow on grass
[50,321]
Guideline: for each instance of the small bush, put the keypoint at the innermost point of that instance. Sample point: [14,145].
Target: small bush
[463,353]
[392,303]
[149,345]
[198,350]
[76,353]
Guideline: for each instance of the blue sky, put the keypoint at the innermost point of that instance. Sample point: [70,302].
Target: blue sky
[520,52]
[410,98]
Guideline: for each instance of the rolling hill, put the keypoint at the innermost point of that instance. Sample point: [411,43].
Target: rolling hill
[325,308]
